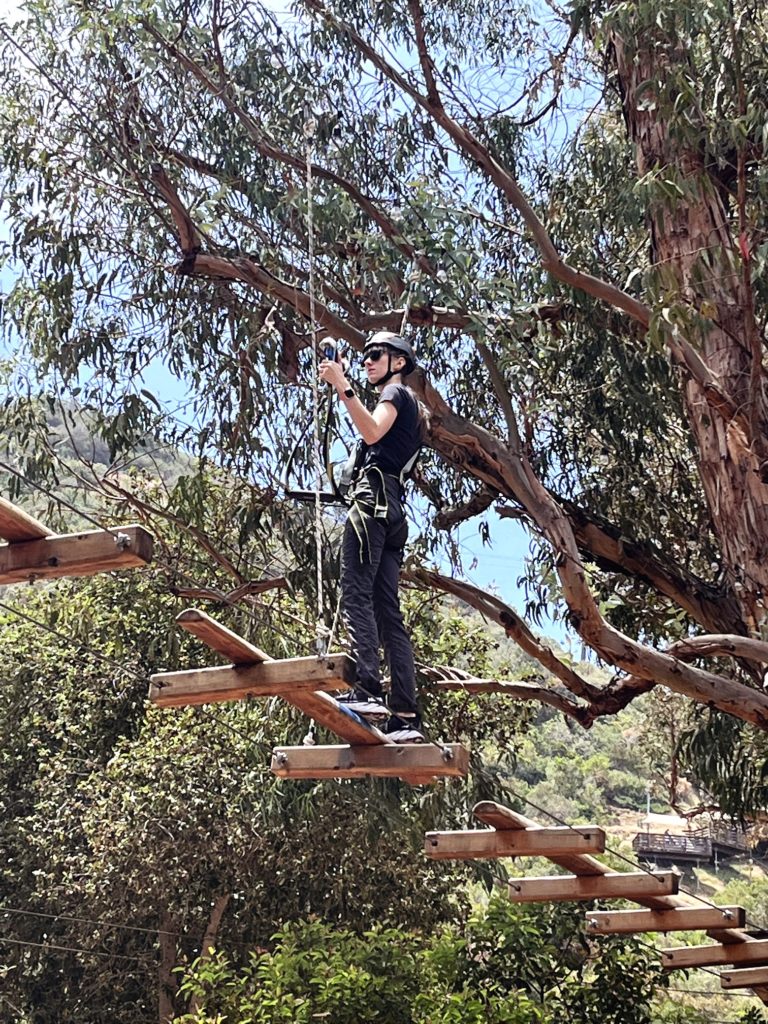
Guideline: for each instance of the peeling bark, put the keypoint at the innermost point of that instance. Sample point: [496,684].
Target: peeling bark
[731,452]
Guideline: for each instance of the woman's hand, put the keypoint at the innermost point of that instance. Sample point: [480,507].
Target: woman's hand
[332,372]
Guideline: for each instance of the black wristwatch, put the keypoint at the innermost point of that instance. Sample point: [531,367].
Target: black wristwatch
[349,393]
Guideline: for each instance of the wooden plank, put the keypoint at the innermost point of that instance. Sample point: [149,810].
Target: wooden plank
[346,724]
[654,895]
[75,554]
[530,842]
[504,819]
[724,936]
[317,705]
[17,525]
[745,978]
[265,679]
[352,762]
[630,885]
[753,951]
[220,639]
[677,919]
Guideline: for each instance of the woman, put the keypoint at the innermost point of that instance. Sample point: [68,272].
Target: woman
[375,533]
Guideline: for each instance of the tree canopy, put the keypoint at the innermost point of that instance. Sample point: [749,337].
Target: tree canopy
[564,206]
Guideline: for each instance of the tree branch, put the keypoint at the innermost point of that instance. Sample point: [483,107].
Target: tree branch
[616,552]
[190,239]
[471,145]
[426,62]
[266,148]
[513,625]
[218,909]
[502,393]
[451,435]
[517,691]
[482,499]
[489,460]
[720,645]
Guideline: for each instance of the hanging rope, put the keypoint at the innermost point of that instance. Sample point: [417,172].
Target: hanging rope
[310,127]
[413,279]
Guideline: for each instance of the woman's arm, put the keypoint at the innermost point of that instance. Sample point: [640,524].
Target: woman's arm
[372,426]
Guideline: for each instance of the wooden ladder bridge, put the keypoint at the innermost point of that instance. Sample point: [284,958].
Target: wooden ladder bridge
[572,848]
[304,683]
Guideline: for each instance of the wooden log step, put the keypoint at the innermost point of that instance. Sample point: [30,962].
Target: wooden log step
[504,819]
[628,922]
[754,951]
[414,760]
[220,639]
[17,525]
[745,978]
[531,842]
[284,678]
[75,554]
[630,885]
[347,725]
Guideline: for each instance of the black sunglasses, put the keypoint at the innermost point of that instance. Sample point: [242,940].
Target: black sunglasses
[374,354]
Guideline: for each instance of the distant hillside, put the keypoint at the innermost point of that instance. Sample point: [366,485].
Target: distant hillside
[76,441]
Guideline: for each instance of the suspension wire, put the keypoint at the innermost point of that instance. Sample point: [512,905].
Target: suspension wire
[114,531]
[76,949]
[72,641]
[87,920]
[93,653]
[219,721]
[310,127]
[444,750]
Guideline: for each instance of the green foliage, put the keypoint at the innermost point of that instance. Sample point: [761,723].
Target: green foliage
[95,305]
[730,757]
[112,814]
[511,966]
[584,776]
[447,635]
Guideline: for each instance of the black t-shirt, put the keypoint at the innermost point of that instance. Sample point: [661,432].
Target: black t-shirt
[403,439]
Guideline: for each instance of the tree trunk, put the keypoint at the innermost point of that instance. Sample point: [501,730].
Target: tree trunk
[220,905]
[692,242]
[166,980]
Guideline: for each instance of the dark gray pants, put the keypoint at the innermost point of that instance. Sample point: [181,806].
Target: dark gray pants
[371,555]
